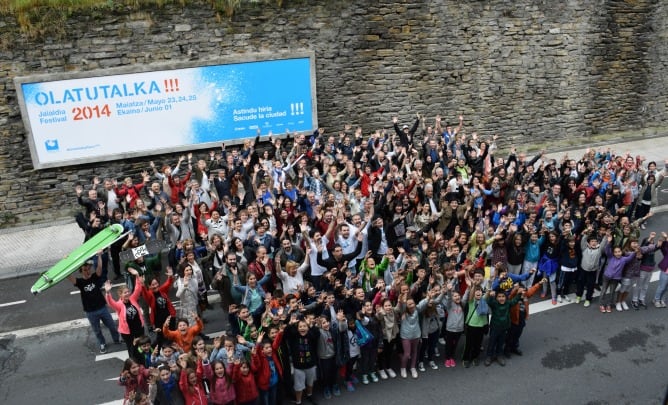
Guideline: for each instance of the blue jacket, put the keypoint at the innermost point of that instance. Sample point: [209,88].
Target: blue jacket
[533,250]
[246,291]
[514,277]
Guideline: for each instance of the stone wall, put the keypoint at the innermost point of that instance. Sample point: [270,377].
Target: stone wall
[533,71]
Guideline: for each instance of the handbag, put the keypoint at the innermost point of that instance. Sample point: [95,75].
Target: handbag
[482,308]
[485,329]
[364,337]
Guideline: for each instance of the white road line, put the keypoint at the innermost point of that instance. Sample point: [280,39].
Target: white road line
[547,304]
[122,355]
[74,324]
[48,329]
[118,402]
[8,304]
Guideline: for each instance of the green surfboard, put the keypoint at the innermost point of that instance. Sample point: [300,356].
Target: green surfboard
[74,260]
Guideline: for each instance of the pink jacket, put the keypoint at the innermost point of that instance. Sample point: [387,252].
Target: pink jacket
[119,307]
[223,391]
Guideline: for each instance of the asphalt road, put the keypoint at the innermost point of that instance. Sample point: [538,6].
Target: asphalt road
[663,193]
[571,355]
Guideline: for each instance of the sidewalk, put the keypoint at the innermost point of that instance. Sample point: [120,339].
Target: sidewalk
[33,249]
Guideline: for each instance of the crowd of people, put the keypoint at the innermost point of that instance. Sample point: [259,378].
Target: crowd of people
[343,259]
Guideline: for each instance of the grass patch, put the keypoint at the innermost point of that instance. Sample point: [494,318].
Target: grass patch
[48,18]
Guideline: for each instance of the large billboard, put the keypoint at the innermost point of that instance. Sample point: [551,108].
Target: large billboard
[107,115]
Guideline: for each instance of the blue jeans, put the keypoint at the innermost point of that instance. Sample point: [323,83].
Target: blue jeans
[102,314]
[663,285]
[269,397]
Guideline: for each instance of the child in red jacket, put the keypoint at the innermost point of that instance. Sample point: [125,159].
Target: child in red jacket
[190,381]
[243,376]
[270,371]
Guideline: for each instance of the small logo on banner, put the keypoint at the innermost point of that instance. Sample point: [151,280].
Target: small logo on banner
[51,144]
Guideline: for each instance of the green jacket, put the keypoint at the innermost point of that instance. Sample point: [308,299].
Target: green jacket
[501,313]
[369,276]
[151,267]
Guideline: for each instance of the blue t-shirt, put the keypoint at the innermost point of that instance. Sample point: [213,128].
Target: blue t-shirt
[273,378]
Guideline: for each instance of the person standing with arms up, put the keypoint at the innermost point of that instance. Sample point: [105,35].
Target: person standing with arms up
[94,304]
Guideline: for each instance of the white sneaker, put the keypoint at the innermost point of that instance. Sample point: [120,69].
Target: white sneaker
[382,374]
[421,367]
[657,304]
[437,353]
[402,372]
[391,373]
[587,303]
[618,307]
[414,373]
[625,306]
[559,299]
[441,341]
[433,365]
[566,298]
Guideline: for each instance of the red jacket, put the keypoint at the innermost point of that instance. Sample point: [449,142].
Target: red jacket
[177,189]
[164,292]
[132,191]
[193,395]
[515,309]
[368,180]
[135,384]
[264,371]
[244,385]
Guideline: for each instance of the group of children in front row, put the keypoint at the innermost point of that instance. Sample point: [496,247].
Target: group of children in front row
[330,339]
[337,334]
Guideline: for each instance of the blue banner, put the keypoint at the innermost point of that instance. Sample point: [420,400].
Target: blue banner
[109,117]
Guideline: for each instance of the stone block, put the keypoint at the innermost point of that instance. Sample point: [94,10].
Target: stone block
[182,27]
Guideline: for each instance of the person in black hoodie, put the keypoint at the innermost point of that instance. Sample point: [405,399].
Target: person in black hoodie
[302,338]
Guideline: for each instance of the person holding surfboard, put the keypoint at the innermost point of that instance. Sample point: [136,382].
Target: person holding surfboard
[94,305]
